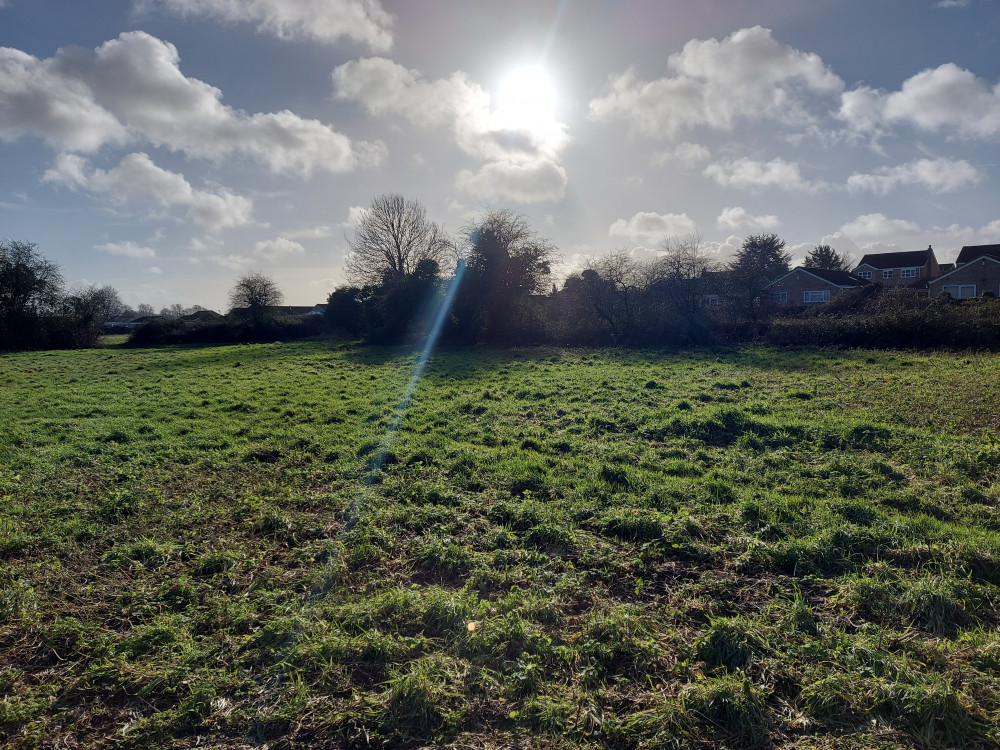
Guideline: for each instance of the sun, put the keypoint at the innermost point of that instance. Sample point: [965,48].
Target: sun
[526,100]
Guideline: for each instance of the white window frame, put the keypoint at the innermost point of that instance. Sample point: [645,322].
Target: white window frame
[864,275]
[809,297]
[956,290]
[887,274]
[908,273]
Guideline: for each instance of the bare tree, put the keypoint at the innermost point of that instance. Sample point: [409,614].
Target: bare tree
[612,284]
[390,240]
[96,305]
[253,295]
[685,272]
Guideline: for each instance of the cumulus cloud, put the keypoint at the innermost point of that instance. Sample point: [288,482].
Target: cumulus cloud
[313,233]
[326,21]
[132,89]
[522,163]
[278,248]
[747,173]
[127,249]
[944,98]
[232,262]
[685,154]
[650,228]
[738,217]
[520,181]
[137,178]
[937,175]
[877,226]
[746,76]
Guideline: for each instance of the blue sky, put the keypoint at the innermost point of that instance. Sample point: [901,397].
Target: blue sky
[167,146]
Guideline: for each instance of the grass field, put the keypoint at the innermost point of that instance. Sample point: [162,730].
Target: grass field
[252,545]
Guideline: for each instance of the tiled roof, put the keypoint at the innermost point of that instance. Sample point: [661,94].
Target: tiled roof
[903,259]
[971,252]
[840,278]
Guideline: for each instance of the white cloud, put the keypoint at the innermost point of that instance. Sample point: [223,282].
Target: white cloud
[131,88]
[127,249]
[724,251]
[277,248]
[37,99]
[138,178]
[937,175]
[747,173]
[651,228]
[522,164]
[944,98]
[876,226]
[746,76]
[686,154]
[325,21]
[314,233]
[155,270]
[515,180]
[737,217]
[232,262]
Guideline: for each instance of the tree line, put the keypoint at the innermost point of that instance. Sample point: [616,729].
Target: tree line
[495,278]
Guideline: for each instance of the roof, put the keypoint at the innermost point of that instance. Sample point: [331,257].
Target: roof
[902,259]
[837,278]
[201,315]
[971,252]
[956,269]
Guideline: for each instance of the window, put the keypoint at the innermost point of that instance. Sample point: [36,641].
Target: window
[960,291]
[864,275]
[780,298]
[816,296]
[887,274]
[908,273]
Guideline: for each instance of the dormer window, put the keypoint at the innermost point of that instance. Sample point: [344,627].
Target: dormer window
[864,275]
[887,274]
[908,273]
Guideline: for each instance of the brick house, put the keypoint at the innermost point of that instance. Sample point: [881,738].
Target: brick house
[976,272]
[906,268]
[809,286]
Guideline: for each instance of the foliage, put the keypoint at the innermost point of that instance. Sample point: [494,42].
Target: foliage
[30,291]
[824,256]
[505,263]
[252,295]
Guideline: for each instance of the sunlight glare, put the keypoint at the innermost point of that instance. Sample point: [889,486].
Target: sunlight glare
[526,99]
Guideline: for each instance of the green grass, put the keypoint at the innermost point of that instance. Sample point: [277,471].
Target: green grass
[551,548]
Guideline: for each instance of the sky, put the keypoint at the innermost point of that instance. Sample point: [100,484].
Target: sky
[166,147]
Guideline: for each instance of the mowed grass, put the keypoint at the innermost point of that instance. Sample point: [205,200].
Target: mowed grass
[252,546]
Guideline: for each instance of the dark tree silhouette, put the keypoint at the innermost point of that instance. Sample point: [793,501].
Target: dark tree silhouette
[505,264]
[252,297]
[390,240]
[760,260]
[30,287]
[824,256]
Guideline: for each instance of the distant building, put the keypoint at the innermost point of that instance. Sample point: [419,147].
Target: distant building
[902,269]
[810,286]
[976,272]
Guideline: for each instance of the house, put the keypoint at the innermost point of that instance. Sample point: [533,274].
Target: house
[976,272]
[907,268]
[202,316]
[808,286]
[278,311]
[319,309]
